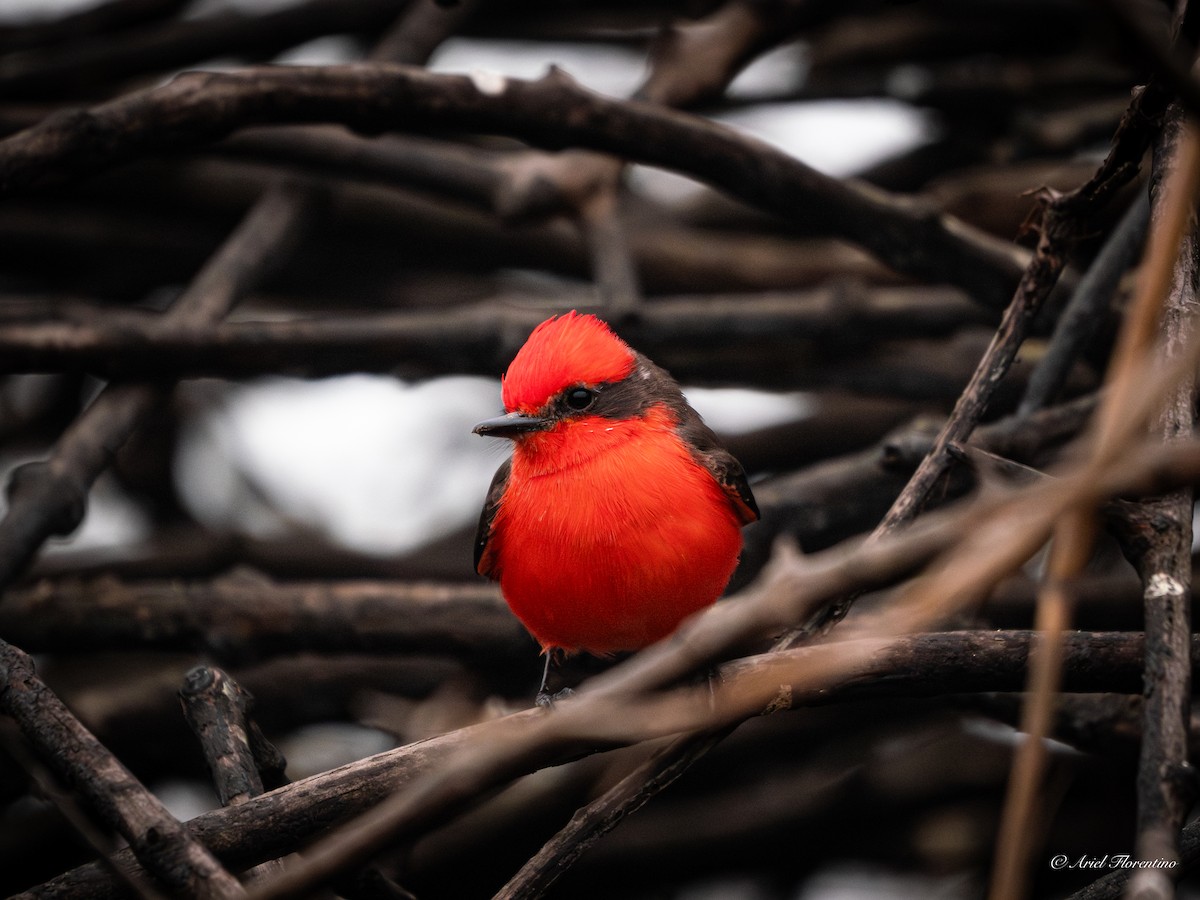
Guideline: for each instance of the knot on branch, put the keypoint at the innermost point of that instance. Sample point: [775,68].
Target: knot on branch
[63,500]
[197,680]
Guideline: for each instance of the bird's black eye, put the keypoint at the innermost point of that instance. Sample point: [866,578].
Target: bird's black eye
[580,398]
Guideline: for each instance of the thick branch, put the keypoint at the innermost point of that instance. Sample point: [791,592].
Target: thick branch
[283,820]
[1165,791]
[216,708]
[553,113]
[242,617]
[158,841]
[184,42]
[108,16]
[476,338]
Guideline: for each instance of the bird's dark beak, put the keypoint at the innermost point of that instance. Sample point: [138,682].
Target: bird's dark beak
[511,426]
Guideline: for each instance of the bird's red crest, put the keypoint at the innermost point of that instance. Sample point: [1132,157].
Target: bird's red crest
[563,351]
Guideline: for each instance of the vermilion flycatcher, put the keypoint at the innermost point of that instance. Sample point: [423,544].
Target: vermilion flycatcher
[619,514]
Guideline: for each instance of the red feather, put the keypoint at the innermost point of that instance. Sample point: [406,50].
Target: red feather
[626,537]
[564,351]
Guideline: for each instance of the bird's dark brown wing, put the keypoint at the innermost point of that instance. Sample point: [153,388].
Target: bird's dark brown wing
[650,385]
[723,465]
[732,477]
[483,559]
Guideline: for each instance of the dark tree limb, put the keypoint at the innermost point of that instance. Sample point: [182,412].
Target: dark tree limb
[70,809]
[47,498]
[553,113]
[183,42]
[1165,782]
[930,664]
[1085,312]
[159,842]
[243,617]
[102,18]
[476,338]
[217,709]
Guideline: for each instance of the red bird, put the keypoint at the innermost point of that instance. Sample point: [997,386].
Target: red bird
[619,514]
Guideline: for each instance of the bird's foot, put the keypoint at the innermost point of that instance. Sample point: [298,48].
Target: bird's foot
[545,699]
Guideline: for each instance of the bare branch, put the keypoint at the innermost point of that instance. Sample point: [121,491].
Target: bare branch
[245,617]
[553,113]
[921,663]
[159,842]
[477,338]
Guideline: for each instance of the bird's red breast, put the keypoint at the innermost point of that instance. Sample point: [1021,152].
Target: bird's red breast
[619,514]
[609,534]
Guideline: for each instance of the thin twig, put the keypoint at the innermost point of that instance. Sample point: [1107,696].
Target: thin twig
[1085,311]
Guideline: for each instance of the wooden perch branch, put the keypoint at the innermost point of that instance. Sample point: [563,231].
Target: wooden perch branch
[913,665]
[183,42]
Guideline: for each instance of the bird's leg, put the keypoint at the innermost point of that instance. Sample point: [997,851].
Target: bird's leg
[543,694]
[554,657]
